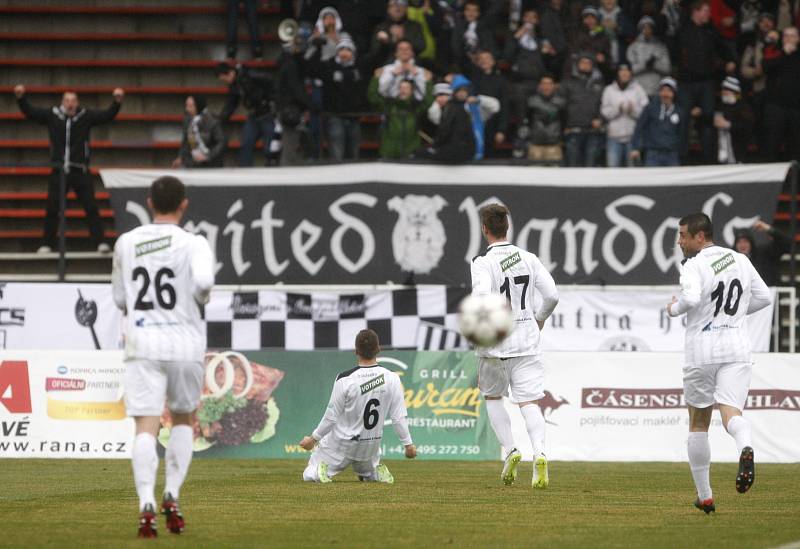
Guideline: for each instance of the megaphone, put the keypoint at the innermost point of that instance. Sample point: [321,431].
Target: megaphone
[287,30]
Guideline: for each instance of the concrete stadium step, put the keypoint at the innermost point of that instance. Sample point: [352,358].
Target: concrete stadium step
[31,266]
[131,7]
[148,64]
[39,36]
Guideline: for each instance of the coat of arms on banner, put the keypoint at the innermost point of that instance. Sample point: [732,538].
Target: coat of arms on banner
[418,237]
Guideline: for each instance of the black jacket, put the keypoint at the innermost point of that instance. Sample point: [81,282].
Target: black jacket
[766,257]
[454,141]
[343,87]
[381,53]
[69,136]
[783,77]
[204,133]
[291,89]
[743,121]
[492,85]
[700,52]
[253,88]
[459,46]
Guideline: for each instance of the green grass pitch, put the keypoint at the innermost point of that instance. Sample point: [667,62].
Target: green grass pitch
[73,503]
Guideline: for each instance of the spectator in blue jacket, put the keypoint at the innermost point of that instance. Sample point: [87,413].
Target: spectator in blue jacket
[660,129]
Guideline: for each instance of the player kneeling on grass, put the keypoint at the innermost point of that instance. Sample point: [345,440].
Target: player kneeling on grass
[351,430]
[719,288]
[161,276]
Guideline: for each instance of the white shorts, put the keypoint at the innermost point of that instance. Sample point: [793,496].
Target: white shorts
[524,374]
[149,384]
[707,384]
[338,463]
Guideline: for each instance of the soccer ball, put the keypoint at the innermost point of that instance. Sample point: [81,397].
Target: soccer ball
[485,320]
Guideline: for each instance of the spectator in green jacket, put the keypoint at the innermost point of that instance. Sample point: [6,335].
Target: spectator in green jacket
[399,128]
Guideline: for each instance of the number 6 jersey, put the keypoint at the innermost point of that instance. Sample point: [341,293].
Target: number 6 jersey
[362,398]
[719,288]
[162,276]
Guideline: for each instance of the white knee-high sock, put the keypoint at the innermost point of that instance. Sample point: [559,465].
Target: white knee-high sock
[501,423]
[178,457]
[739,429]
[700,463]
[534,421]
[145,466]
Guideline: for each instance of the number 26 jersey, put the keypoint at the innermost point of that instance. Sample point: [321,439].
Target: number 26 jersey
[721,287]
[162,276]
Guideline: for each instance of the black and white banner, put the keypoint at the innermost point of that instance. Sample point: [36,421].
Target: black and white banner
[83,316]
[378,223]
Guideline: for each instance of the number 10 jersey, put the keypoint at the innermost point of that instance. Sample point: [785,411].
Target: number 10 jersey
[719,288]
[162,276]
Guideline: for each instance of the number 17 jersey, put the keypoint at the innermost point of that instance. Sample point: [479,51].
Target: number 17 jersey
[162,276]
[721,287]
[522,278]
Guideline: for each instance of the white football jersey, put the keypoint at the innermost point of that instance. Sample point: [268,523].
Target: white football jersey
[518,274]
[719,288]
[162,276]
[362,398]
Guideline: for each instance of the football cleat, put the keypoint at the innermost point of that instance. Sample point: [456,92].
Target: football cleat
[509,474]
[707,505]
[147,522]
[322,473]
[541,479]
[747,471]
[383,474]
[172,512]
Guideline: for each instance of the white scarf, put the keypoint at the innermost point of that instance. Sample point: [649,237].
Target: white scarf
[528,42]
[194,127]
[471,35]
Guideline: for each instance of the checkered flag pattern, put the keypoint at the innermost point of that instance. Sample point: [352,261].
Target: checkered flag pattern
[411,318]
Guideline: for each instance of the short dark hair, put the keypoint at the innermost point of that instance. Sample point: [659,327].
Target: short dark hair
[404,40]
[495,217]
[698,222]
[367,344]
[698,5]
[167,193]
[224,67]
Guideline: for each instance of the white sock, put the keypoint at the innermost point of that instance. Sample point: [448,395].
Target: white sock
[534,421]
[700,463]
[501,423]
[145,466]
[739,429]
[178,457]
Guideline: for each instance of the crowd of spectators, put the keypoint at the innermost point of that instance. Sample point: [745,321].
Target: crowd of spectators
[569,82]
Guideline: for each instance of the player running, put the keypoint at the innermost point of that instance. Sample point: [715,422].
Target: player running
[351,430]
[507,269]
[719,288]
[162,276]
